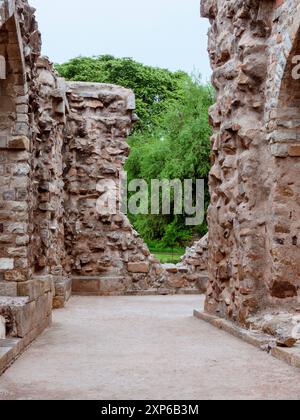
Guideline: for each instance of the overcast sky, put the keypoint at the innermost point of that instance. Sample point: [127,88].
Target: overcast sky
[164,33]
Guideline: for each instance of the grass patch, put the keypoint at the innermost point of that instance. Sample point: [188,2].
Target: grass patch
[166,255]
[169,258]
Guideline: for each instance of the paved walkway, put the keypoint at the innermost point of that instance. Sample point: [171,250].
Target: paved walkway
[143,348]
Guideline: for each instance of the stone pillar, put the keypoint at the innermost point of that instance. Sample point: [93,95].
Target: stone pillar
[25,301]
[14,163]
[239,259]
[47,251]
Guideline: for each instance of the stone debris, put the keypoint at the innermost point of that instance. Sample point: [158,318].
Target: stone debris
[284,326]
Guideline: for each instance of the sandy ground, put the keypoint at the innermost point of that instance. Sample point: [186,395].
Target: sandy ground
[143,348]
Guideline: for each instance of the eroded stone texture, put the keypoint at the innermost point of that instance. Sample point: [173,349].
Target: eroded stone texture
[190,275]
[2,328]
[254,214]
[19,112]
[104,254]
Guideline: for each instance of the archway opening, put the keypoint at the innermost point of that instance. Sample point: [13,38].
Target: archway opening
[285,146]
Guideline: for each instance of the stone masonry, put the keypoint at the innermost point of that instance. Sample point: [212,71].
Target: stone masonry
[104,254]
[190,275]
[254,236]
[26,294]
[62,149]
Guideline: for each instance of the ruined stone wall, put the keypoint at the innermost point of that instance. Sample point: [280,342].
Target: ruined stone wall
[47,248]
[15,157]
[105,255]
[24,316]
[254,213]
[190,275]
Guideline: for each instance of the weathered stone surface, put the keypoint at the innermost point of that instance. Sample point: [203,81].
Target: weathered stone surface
[176,282]
[284,326]
[138,267]
[21,103]
[62,291]
[254,214]
[294,150]
[191,273]
[171,268]
[8,288]
[2,328]
[21,143]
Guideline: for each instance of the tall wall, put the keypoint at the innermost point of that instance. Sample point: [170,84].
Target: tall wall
[254,246]
[25,302]
[15,156]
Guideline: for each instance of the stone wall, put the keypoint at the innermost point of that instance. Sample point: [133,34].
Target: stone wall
[62,149]
[26,301]
[254,245]
[105,255]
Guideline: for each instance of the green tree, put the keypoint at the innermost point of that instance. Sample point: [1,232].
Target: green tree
[154,88]
[178,148]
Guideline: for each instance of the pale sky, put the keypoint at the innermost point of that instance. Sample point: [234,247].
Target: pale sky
[164,33]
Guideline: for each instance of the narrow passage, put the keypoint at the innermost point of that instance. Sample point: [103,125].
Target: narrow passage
[143,348]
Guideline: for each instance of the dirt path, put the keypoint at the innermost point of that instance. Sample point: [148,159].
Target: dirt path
[143,348]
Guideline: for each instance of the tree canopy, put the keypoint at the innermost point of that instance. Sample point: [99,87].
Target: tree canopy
[154,88]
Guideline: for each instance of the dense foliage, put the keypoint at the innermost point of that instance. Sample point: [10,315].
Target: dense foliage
[154,88]
[170,141]
[177,148]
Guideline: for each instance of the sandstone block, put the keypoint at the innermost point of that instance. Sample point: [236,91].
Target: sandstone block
[15,275]
[138,267]
[85,285]
[35,287]
[294,150]
[176,282]
[62,293]
[170,268]
[112,285]
[8,289]
[2,328]
[279,150]
[46,78]
[202,283]
[3,142]
[24,318]
[58,302]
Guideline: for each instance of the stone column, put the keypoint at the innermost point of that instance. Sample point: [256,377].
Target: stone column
[15,163]
[239,258]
